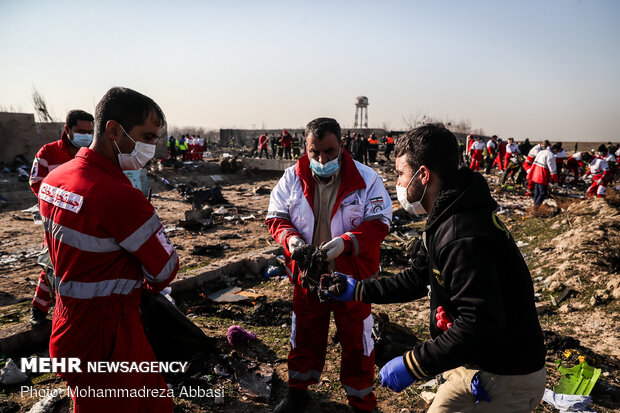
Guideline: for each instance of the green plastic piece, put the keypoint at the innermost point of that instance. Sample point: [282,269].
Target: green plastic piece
[578,380]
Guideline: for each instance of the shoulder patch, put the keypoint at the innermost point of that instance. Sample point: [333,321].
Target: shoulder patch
[376,204]
[61,198]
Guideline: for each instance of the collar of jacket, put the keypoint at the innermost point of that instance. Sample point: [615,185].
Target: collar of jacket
[467,189]
[94,157]
[65,142]
[351,179]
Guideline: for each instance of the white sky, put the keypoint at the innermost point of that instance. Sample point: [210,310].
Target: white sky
[538,69]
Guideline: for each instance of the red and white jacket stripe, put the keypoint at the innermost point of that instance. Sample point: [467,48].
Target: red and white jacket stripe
[361,216]
[104,237]
[544,168]
[48,158]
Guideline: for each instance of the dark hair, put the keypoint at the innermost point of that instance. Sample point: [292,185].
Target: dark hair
[431,145]
[319,127]
[602,148]
[546,144]
[76,114]
[127,107]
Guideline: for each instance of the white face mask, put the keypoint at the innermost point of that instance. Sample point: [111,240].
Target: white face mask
[415,208]
[141,154]
[82,140]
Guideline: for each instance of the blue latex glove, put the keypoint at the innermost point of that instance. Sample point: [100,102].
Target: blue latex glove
[395,376]
[347,295]
[478,391]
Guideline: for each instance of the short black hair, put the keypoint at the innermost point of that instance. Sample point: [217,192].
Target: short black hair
[602,148]
[431,145]
[77,114]
[319,127]
[127,107]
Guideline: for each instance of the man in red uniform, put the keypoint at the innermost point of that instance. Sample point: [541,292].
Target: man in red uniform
[262,142]
[330,201]
[107,244]
[287,142]
[77,133]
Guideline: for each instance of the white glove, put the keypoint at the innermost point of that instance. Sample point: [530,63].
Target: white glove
[294,242]
[333,248]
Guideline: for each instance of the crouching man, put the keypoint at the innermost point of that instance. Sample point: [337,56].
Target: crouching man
[327,199]
[486,338]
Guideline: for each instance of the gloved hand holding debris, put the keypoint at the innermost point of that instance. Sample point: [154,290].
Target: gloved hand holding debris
[294,243]
[312,264]
[337,286]
[395,376]
[333,248]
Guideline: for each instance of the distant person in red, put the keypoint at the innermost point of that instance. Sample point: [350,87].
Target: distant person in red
[501,154]
[512,149]
[477,148]
[601,175]
[287,142]
[262,142]
[574,163]
[77,133]
[107,245]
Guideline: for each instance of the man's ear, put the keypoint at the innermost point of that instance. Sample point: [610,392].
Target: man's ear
[425,175]
[113,130]
[66,129]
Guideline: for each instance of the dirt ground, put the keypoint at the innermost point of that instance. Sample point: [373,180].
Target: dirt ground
[569,243]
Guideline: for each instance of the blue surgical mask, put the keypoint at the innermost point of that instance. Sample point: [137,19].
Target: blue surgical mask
[327,170]
[82,140]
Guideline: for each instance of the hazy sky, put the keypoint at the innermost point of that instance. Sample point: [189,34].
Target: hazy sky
[521,68]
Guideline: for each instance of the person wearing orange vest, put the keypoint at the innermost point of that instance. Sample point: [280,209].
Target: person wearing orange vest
[389,146]
[77,133]
[373,148]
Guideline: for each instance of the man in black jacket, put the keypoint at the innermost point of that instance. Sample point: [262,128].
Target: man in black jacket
[486,338]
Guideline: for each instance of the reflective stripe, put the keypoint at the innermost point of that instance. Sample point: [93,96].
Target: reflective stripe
[165,272]
[35,179]
[310,374]
[85,290]
[276,214]
[367,341]
[356,246]
[42,162]
[373,276]
[357,393]
[133,242]
[293,331]
[43,287]
[50,168]
[284,231]
[41,302]
[375,217]
[76,239]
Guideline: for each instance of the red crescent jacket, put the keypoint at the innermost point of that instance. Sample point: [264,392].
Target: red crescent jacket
[105,241]
[361,216]
[544,168]
[49,157]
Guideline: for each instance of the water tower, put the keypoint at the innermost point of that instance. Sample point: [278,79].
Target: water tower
[361,109]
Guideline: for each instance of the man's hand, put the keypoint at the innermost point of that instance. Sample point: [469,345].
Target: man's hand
[394,375]
[333,248]
[349,288]
[294,242]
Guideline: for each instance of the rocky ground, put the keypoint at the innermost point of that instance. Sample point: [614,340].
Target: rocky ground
[572,248]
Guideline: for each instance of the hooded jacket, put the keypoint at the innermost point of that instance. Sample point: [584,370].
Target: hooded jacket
[477,273]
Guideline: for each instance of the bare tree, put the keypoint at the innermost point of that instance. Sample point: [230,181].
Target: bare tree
[40,107]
